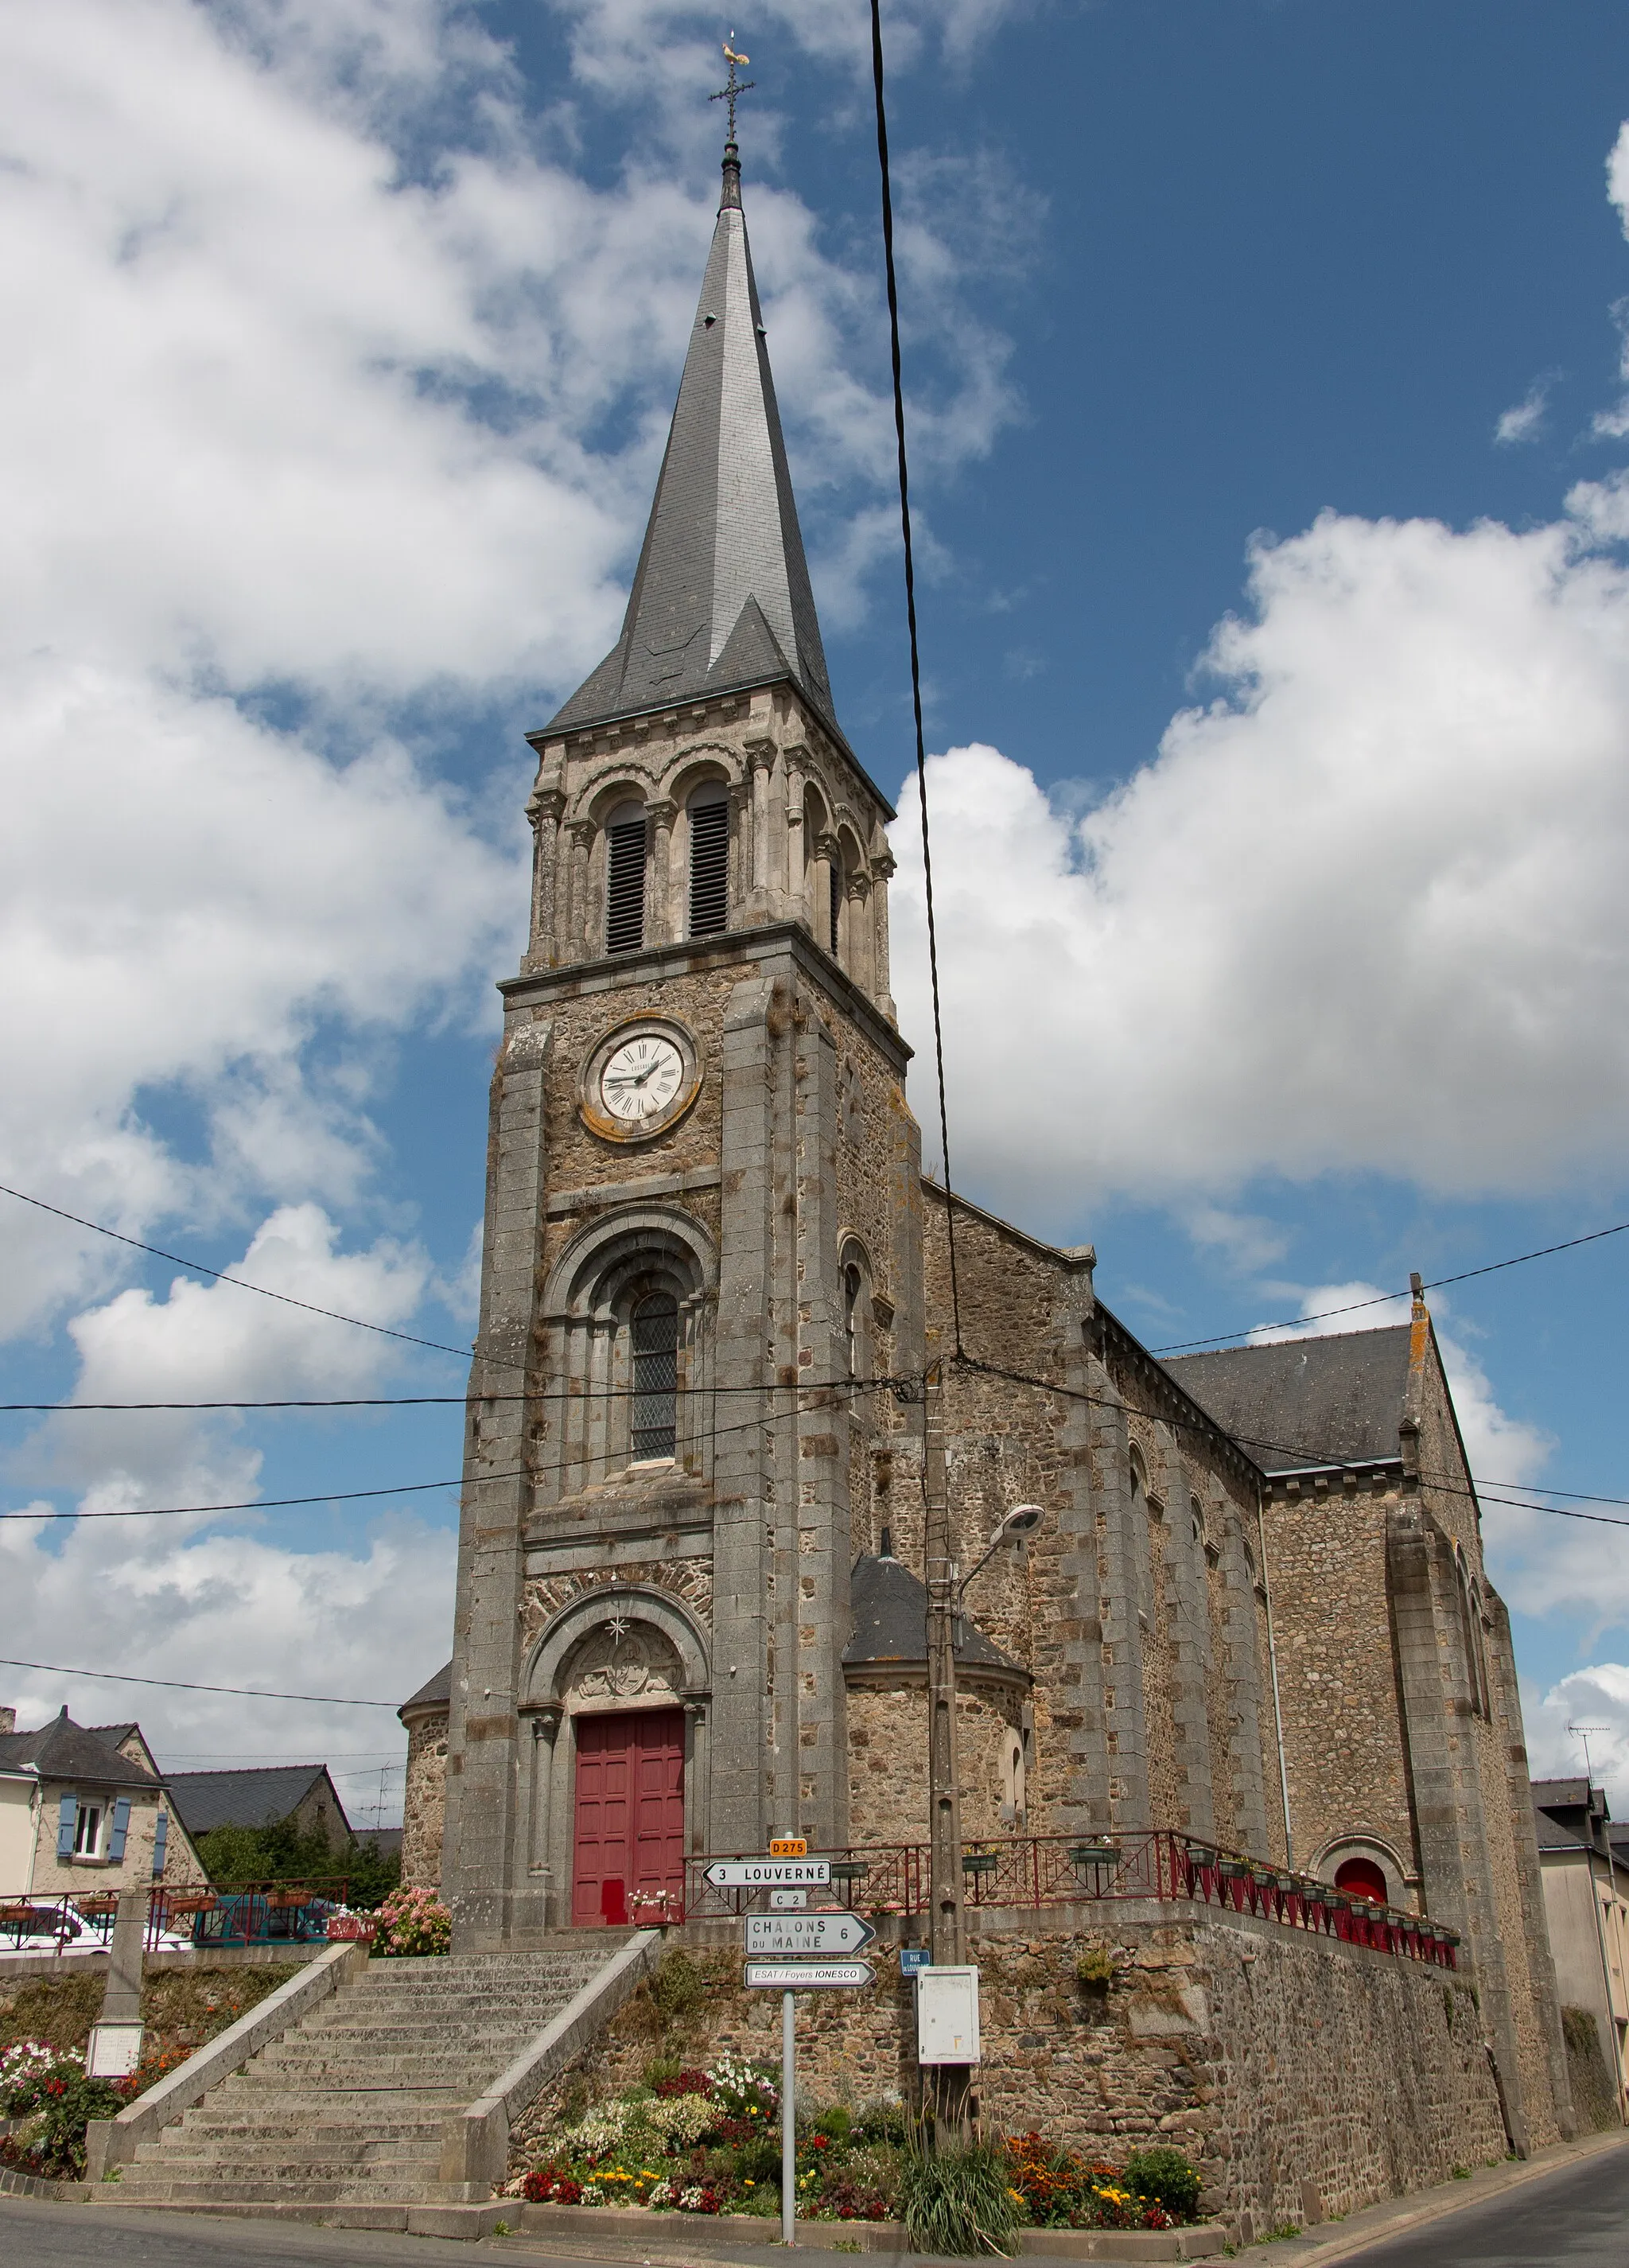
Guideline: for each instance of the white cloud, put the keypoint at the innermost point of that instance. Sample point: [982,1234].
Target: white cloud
[184,895]
[229,1610]
[1597,1697]
[174,1597]
[1362,912]
[1522,420]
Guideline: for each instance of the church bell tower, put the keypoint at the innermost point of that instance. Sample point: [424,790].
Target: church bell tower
[702,1220]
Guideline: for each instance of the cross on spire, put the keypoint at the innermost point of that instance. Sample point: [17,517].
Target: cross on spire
[732,87]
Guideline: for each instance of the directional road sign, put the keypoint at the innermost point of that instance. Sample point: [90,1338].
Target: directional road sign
[808,1976]
[806,1932]
[761,1874]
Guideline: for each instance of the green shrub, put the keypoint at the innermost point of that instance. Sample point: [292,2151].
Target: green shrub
[1094,1969]
[880,2122]
[1164,2177]
[956,2200]
[677,1988]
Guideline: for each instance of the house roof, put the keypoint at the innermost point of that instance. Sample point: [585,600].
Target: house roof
[1570,1815]
[257,1798]
[62,1750]
[1297,1404]
[890,1623]
[435,1692]
[721,599]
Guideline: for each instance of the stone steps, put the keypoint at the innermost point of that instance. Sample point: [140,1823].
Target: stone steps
[349,2108]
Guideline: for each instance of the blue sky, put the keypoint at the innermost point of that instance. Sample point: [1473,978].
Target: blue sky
[1268,435]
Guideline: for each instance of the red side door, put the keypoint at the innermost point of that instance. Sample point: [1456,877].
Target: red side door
[629,1818]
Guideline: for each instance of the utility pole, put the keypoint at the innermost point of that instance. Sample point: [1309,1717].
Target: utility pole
[948,1934]
[950,2087]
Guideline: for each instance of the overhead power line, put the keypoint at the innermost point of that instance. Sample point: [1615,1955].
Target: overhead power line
[184,1685]
[223,1275]
[911,619]
[843,1385]
[1389,1298]
[254,1504]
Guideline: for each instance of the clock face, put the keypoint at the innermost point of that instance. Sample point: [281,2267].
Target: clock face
[641,1078]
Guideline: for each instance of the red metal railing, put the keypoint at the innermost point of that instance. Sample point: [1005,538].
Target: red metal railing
[200,1914]
[1048,1870]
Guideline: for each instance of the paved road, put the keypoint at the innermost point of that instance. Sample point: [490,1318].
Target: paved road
[1579,2215]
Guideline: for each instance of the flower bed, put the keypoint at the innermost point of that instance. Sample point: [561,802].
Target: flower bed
[49,2089]
[708,2141]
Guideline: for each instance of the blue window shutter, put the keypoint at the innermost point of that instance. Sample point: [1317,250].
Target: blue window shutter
[121,1828]
[160,1836]
[65,1819]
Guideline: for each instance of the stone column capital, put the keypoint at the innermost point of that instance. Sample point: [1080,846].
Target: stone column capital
[582,832]
[662,810]
[883,865]
[545,803]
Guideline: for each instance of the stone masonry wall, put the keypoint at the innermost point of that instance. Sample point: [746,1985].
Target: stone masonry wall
[1343,1732]
[1305,2078]
[423,1808]
[887,1759]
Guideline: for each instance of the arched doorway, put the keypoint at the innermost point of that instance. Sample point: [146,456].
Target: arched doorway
[1362,1878]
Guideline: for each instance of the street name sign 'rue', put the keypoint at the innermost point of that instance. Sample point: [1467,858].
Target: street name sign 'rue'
[808,1976]
[763,1874]
[808,1933]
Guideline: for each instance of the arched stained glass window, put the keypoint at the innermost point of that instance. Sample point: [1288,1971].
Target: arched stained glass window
[655,1375]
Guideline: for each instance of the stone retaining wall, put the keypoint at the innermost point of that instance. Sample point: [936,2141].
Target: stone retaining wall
[1305,2077]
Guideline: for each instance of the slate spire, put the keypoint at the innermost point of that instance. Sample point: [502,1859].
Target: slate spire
[721,599]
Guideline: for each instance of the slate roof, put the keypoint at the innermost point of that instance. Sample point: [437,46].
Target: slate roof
[721,599]
[1569,1814]
[62,1750]
[890,1623]
[1302,1403]
[246,1799]
[435,1692]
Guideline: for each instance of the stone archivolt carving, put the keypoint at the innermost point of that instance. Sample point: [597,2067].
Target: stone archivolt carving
[624,1661]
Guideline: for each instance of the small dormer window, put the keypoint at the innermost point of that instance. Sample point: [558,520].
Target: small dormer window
[709,861]
[625,878]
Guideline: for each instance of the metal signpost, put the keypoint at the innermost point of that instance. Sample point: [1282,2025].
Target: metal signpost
[791,1937]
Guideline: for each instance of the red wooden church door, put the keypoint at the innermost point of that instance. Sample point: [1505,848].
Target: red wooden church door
[630,1827]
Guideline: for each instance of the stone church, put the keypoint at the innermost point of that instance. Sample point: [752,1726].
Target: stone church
[690,1598]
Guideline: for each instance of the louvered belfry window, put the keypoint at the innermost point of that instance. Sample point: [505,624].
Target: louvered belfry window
[624,888]
[655,1375]
[709,867]
[835,871]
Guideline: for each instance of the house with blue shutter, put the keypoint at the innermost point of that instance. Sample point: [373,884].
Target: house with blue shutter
[85,1808]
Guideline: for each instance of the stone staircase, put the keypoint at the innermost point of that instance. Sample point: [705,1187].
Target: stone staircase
[346,2110]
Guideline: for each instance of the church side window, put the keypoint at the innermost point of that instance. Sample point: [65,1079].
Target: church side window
[624,885]
[710,863]
[852,1286]
[655,1375]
